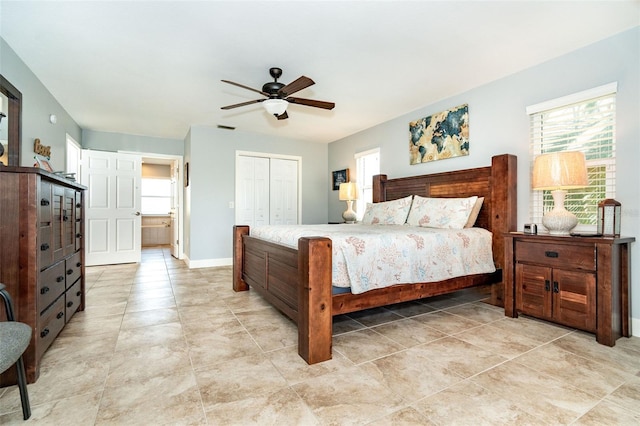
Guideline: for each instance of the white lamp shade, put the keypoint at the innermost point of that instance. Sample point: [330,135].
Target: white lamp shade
[559,170]
[275,106]
[348,191]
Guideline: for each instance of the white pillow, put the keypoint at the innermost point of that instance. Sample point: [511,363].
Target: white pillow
[475,211]
[387,213]
[449,213]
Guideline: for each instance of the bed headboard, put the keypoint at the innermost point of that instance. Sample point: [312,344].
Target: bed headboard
[496,183]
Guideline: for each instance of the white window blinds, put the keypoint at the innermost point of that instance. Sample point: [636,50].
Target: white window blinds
[581,122]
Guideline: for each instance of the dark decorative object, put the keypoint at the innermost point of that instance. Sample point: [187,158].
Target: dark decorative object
[609,212]
[339,176]
[186,174]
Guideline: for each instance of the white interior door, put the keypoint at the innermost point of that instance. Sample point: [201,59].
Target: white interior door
[284,192]
[175,210]
[112,220]
[252,191]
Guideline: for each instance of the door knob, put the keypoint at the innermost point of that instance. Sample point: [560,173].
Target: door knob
[137,213]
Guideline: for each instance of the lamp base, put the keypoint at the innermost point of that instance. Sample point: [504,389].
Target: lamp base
[559,221]
[349,215]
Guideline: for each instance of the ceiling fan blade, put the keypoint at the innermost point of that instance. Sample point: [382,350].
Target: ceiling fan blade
[312,103]
[296,85]
[246,87]
[283,116]
[242,104]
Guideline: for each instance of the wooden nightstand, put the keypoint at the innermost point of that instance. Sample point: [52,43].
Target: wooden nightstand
[580,282]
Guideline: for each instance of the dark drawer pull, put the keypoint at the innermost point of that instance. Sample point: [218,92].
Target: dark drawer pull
[78,205]
[78,235]
[78,220]
[44,247]
[44,202]
[60,279]
[555,287]
[44,290]
[69,271]
[65,218]
[551,253]
[60,315]
[44,332]
[547,285]
[78,264]
[69,304]
[78,293]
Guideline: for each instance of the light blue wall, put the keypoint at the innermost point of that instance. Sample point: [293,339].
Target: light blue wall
[106,141]
[498,124]
[37,105]
[212,154]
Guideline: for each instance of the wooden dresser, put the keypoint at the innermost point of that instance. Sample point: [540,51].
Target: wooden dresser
[41,255]
[580,282]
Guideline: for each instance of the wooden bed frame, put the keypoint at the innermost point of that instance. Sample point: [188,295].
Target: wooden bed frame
[298,282]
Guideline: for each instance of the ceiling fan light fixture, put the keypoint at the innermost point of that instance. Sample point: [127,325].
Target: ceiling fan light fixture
[275,106]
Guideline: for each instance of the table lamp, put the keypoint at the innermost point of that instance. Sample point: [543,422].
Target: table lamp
[557,172]
[348,193]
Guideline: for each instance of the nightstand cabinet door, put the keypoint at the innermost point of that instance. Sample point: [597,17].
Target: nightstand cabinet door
[574,299]
[533,290]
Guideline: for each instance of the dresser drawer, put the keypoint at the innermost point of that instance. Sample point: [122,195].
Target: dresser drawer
[51,285]
[73,297]
[73,268]
[49,325]
[556,255]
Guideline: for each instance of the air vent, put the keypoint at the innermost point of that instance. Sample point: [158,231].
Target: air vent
[220,126]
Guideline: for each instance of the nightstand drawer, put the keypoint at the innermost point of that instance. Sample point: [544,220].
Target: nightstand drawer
[555,255]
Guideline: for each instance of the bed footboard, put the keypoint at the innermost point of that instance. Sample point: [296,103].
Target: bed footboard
[297,282]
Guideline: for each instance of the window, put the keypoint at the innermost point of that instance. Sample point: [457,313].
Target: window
[367,166]
[582,122]
[156,196]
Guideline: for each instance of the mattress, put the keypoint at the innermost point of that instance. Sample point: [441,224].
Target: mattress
[367,257]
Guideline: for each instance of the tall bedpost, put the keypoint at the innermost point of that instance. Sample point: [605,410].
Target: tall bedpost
[315,318]
[238,258]
[504,212]
[379,188]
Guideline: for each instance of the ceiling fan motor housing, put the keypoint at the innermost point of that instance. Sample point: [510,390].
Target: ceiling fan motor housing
[272,88]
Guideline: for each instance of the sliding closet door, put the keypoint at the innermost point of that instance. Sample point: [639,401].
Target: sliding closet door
[284,192]
[266,190]
[252,191]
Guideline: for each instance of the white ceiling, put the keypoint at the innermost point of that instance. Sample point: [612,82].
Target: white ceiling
[154,67]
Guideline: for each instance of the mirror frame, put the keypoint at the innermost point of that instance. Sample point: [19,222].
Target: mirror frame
[14,121]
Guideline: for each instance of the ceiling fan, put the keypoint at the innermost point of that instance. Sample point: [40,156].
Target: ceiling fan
[278,95]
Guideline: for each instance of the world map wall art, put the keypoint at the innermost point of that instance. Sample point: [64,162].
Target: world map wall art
[439,136]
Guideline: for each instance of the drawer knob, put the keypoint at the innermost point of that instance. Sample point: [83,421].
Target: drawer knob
[78,264]
[69,271]
[78,235]
[555,287]
[44,247]
[60,279]
[60,315]
[44,290]
[69,304]
[78,205]
[78,293]
[547,285]
[551,253]
[44,332]
[44,202]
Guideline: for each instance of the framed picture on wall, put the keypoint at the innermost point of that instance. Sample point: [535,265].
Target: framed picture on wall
[339,176]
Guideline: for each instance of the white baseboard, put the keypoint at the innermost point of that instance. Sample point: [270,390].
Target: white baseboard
[208,263]
[635,327]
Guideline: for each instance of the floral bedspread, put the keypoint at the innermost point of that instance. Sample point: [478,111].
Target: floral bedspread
[366,257]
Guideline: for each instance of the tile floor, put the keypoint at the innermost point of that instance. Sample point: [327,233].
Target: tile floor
[161,344]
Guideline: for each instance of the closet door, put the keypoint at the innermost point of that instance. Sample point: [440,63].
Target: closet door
[284,192]
[252,191]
